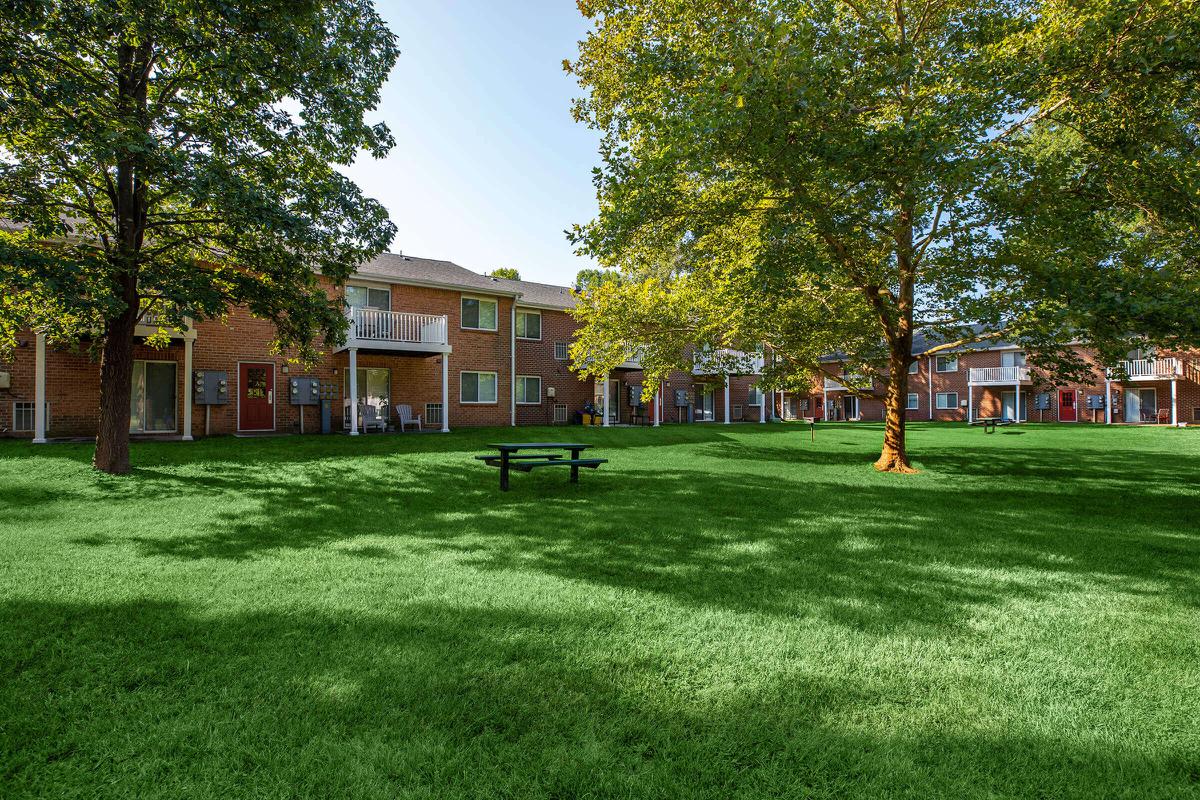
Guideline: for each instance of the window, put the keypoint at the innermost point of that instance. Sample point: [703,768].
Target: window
[477,387]
[374,388]
[23,417]
[561,351]
[756,397]
[1195,415]
[947,363]
[433,414]
[1011,359]
[478,314]
[152,401]
[529,325]
[914,401]
[560,412]
[914,368]
[947,400]
[529,390]
[368,297]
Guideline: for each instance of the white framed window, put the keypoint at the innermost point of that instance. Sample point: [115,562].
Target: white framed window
[23,416]
[368,297]
[477,387]
[433,414]
[756,397]
[152,400]
[529,390]
[562,351]
[946,401]
[947,364]
[1012,359]
[560,412]
[479,314]
[529,324]
[914,401]
[914,368]
[1195,414]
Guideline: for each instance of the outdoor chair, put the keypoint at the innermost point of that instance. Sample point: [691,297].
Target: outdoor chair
[368,418]
[406,417]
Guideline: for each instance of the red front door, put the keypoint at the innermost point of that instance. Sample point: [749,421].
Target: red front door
[1066,406]
[256,398]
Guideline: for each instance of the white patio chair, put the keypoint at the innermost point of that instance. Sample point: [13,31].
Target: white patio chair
[404,413]
[368,417]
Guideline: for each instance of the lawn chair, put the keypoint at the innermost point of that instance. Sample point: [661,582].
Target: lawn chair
[368,418]
[405,415]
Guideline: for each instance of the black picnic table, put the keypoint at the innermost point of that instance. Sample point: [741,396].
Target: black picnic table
[509,456]
[989,423]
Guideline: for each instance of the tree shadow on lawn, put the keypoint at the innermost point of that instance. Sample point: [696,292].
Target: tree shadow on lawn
[880,555]
[153,699]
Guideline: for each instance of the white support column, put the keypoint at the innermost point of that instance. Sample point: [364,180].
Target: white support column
[39,391]
[187,390]
[1174,404]
[824,405]
[726,399]
[929,378]
[1017,402]
[970,402]
[763,408]
[604,422]
[1107,402]
[445,392]
[354,391]
[658,406]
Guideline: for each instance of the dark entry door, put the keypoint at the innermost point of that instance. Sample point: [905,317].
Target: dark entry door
[1066,406]
[256,399]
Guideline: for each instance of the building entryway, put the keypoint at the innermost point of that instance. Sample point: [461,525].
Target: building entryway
[256,397]
[706,409]
[1067,411]
[1008,403]
[1141,405]
[849,407]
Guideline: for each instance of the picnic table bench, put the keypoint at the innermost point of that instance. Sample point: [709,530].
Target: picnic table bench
[509,456]
[989,423]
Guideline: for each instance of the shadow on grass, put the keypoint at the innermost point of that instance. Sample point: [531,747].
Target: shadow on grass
[152,699]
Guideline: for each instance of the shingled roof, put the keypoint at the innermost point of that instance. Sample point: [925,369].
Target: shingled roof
[542,295]
[432,272]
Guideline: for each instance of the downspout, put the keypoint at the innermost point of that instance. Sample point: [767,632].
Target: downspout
[929,378]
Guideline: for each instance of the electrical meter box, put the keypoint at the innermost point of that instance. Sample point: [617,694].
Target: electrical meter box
[211,387]
[1041,402]
[681,398]
[304,391]
[635,395]
[1095,401]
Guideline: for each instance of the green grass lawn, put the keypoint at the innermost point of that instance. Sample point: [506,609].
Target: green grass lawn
[717,612]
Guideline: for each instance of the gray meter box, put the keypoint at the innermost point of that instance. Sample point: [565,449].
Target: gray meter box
[211,387]
[304,391]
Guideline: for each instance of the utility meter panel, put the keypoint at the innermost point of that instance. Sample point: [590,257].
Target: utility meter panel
[304,391]
[1095,401]
[211,387]
[1041,402]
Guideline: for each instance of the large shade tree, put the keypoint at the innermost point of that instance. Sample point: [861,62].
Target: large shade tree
[831,176]
[178,157]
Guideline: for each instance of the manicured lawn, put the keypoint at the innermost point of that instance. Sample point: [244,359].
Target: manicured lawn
[717,612]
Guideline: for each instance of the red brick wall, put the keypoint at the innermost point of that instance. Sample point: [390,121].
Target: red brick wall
[536,357]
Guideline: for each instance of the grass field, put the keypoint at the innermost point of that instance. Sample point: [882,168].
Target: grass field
[717,612]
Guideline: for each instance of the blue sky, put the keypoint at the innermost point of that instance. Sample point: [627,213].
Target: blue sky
[488,167]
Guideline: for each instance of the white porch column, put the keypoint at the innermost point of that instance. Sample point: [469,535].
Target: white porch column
[604,422]
[1107,402]
[726,399]
[658,405]
[354,391]
[1174,404]
[39,391]
[970,402]
[929,377]
[762,405]
[824,404]
[187,390]
[445,392]
[1017,402]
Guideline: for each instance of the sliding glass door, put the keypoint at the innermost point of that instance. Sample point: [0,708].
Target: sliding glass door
[152,401]
[374,387]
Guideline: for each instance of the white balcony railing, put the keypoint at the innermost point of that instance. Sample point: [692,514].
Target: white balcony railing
[1148,369]
[375,325]
[979,375]
[743,363]
[856,381]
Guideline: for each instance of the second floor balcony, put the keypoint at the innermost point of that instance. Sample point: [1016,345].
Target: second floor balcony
[738,361]
[984,376]
[397,331]
[859,382]
[1149,369]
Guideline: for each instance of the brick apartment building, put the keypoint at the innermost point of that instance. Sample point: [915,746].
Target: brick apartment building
[463,349]
[456,347]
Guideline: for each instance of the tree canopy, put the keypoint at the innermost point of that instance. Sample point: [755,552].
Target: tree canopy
[508,273]
[180,156]
[829,176]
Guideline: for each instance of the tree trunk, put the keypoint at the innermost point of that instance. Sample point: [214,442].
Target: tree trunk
[894,457]
[116,376]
